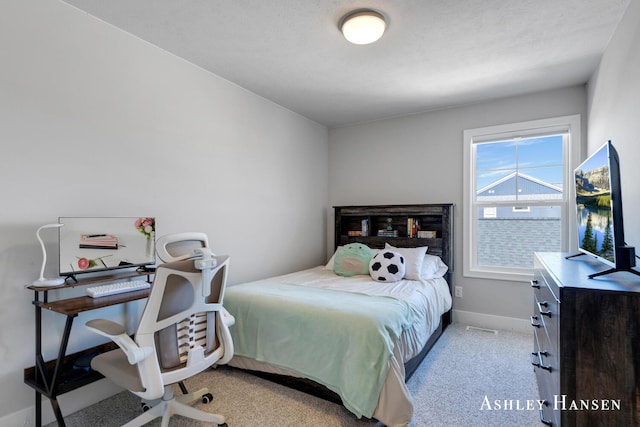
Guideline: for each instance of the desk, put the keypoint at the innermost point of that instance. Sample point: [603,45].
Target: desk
[56,377]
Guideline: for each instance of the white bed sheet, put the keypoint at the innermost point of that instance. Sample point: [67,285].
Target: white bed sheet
[428,300]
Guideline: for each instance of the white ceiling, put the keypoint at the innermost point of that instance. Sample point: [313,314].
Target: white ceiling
[435,53]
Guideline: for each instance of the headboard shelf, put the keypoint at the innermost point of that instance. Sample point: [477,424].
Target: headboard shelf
[377,242]
[361,224]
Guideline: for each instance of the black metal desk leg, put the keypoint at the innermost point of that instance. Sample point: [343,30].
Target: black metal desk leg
[38,355]
[38,409]
[55,383]
[56,410]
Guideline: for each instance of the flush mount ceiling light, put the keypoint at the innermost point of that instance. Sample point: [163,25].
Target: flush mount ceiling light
[363,27]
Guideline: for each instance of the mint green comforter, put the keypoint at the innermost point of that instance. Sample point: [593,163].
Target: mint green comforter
[341,340]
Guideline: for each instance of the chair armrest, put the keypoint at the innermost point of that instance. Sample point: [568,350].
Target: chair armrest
[106,327]
[118,334]
[227,318]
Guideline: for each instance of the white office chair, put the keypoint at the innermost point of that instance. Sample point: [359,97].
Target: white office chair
[182,332]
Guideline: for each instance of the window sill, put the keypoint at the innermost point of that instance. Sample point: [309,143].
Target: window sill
[523,276]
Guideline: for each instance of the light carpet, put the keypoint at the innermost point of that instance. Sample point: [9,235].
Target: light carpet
[460,383]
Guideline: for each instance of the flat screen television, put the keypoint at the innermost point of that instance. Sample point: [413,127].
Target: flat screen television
[599,209]
[98,244]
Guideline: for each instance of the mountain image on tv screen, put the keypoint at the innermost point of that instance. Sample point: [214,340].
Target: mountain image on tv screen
[593,197]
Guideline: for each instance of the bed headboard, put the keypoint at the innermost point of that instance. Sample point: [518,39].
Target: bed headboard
[362,224]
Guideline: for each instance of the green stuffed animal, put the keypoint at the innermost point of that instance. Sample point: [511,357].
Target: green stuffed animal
[352,259]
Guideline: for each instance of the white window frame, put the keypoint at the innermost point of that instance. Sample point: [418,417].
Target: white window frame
[521,208]
[571,149]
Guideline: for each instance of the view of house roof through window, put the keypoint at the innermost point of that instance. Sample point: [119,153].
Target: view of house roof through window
[520,169]
[526,188]
[508,173]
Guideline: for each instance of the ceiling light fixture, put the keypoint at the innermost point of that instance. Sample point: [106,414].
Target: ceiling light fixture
[363,26]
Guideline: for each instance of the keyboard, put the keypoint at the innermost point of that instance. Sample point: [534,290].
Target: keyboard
[117,288]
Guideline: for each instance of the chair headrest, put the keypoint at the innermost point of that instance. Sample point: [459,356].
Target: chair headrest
[180,246]
[201,260]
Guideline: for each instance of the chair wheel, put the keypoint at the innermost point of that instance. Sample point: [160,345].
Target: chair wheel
[207,398]
[145,407]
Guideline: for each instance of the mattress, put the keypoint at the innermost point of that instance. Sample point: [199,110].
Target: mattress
[427,300]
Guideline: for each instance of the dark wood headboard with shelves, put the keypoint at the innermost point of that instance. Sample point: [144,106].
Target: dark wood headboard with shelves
[432,217]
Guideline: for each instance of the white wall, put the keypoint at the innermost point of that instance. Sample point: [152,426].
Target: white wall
[96,122]
[614,105]
[419,159]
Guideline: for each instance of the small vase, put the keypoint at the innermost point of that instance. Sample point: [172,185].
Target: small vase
[151,239]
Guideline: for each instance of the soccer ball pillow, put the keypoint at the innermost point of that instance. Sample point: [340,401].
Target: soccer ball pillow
[387,266]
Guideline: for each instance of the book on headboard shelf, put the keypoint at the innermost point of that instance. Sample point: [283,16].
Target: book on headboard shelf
[413,227]
[426,234]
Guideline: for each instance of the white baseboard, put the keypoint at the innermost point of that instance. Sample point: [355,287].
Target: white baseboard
[23,418]
[491,321]
[69,403]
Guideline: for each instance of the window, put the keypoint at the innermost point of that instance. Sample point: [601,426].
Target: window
[518,195]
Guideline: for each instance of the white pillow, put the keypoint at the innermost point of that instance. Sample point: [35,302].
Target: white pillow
[329,265]
[433,267]
[414,258]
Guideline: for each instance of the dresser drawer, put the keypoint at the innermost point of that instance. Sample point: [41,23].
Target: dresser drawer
[545,357]
[546,308]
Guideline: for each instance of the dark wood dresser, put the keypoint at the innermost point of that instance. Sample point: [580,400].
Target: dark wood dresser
[586,353]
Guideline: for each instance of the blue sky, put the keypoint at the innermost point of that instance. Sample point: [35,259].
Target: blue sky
[539,157]
[596,160]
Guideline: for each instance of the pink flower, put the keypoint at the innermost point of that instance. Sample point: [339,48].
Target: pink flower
[146,226]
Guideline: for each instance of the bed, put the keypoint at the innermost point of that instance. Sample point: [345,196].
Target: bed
[351,338]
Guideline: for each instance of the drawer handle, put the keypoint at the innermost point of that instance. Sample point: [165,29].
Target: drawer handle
[542,310]
[539,363]
[541,413]
[534,284]
[533,319]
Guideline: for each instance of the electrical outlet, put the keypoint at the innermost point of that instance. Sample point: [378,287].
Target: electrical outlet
[458,291]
